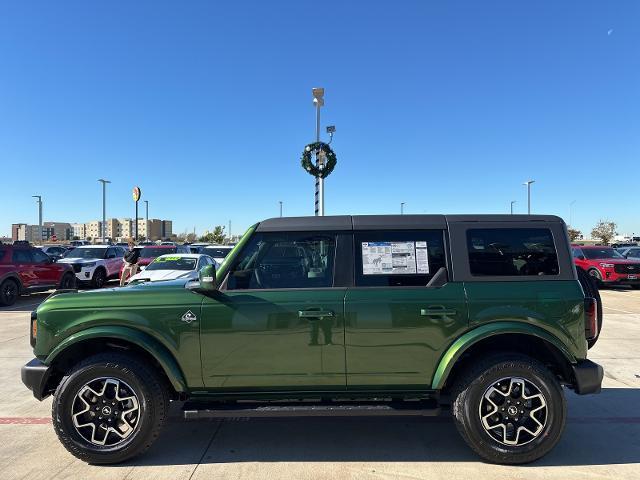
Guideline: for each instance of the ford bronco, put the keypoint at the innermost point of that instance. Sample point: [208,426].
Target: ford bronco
[484,316]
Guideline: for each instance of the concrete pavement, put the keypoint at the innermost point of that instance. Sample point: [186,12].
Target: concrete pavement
[602,438]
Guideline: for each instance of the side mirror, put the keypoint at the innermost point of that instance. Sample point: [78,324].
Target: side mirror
[207,277]
[581,257]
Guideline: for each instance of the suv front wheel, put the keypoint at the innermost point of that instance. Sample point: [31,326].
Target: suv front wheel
[109,408]
[510,409]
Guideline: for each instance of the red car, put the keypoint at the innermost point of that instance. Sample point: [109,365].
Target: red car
[606,265]
[24,269]
[150,252]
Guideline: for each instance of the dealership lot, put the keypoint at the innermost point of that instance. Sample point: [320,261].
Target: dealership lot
[602,439]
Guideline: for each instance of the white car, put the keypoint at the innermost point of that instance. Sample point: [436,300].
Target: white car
[217,252]
[173,266]
[95,264]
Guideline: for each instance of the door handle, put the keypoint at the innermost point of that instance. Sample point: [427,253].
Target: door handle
[315,314]
[440,311]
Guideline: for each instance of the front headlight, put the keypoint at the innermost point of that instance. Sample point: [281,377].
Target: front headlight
[607,265]
[89,265]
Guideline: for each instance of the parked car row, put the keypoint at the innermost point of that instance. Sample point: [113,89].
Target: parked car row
[25,268]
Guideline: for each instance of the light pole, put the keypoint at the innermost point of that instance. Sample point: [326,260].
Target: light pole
[229,231]
[318,101]
[402,204]
[39,197]
[571,212]
[512,203]
[146,224]
[280,202]
[528,184]
[104,207]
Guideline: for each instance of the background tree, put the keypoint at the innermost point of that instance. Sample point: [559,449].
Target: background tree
[604,231]
[217,236]
[574,233]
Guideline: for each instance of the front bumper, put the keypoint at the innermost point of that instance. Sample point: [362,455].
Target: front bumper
[588,376]
[35,376]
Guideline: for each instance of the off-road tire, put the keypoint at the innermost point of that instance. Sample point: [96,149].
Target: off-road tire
[145,382]
[99,278]
[590,288]
[9,292]
[68,281]
[467,394]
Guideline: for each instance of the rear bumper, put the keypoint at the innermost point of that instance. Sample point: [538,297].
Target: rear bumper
[35,376]
[588,377]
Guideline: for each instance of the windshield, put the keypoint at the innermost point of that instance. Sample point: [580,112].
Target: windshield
[173,263]
[152,252]
[216,251]
[604,252]
[86,253]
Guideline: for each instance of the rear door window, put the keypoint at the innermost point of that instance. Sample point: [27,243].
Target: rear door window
[398,257]
[512,252]
[21,255]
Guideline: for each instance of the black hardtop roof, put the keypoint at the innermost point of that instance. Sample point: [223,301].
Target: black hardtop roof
[390,222]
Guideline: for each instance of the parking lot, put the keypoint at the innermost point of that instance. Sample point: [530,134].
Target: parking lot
[602,438]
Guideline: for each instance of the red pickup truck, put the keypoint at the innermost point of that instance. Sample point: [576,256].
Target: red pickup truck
[607,266]
[24,269]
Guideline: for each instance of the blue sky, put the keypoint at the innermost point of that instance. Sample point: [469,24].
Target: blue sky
[448,106]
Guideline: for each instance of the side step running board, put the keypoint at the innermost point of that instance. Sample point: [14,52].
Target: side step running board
[196,410]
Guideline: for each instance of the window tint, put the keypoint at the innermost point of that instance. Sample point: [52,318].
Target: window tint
[21,255]
[285,260]
[39,256]
[576,252]
[633,252]
[398,258]
[512,252]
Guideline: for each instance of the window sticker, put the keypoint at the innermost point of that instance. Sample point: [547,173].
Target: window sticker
[394,258]
[167,259]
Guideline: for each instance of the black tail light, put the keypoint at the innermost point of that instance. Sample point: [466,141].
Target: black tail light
[591,318]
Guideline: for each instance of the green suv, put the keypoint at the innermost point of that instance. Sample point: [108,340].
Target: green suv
[482,315]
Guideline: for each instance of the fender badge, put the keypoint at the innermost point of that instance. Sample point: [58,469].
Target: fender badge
[189,317]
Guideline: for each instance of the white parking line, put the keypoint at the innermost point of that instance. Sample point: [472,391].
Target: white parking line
[618,310]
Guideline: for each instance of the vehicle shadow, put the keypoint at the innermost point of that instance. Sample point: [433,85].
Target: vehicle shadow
[26,303]
[601,430]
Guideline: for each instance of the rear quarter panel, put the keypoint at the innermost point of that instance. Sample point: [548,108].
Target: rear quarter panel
[556,306]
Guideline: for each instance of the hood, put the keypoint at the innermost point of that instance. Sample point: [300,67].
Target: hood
[156,275]
[617,261]
[149,293]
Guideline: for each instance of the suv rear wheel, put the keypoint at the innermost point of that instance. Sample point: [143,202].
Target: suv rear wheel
[510,409]
[9,291]
[109,408]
